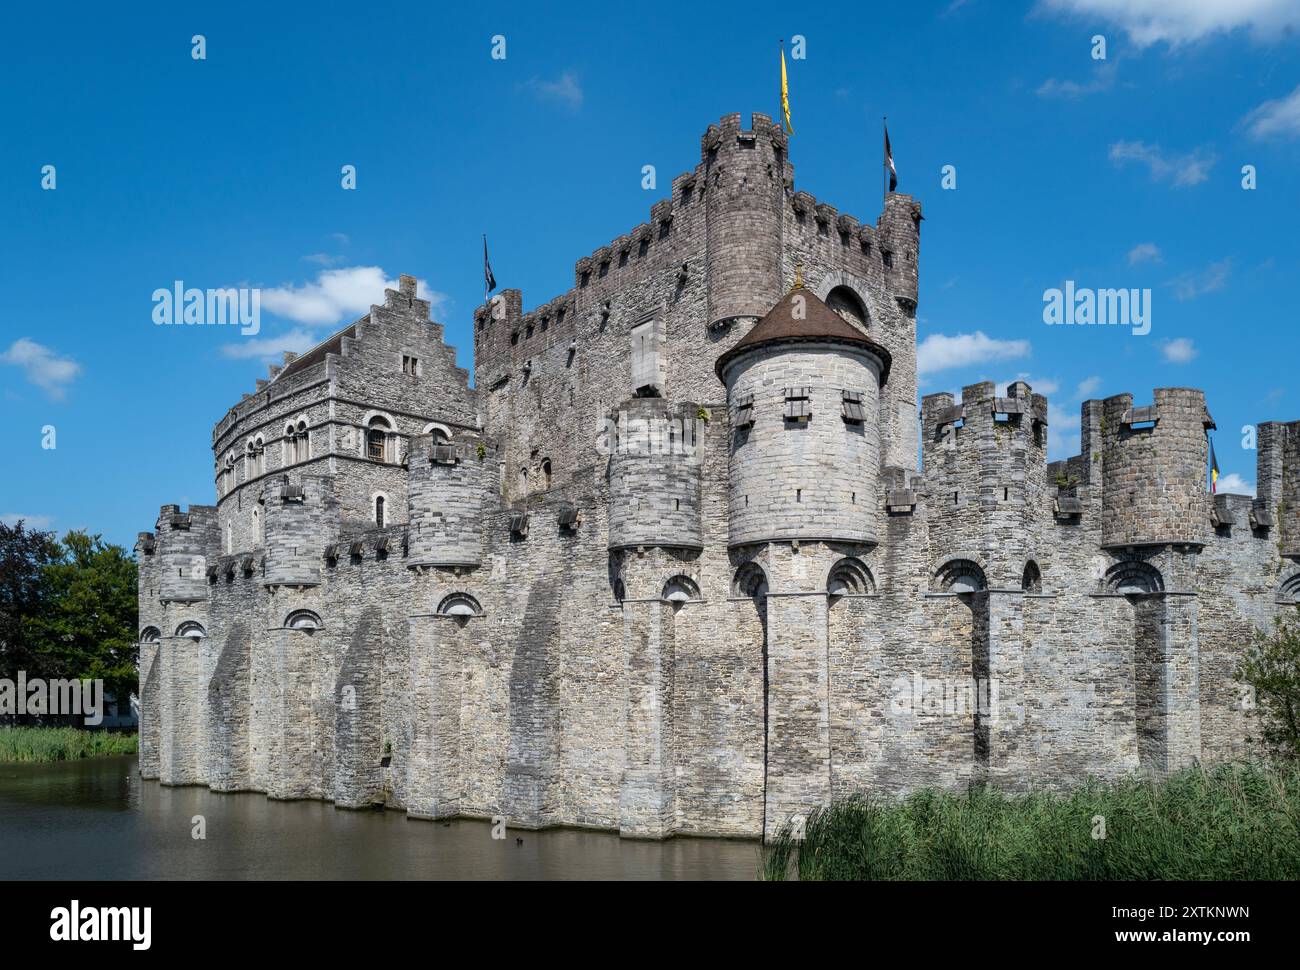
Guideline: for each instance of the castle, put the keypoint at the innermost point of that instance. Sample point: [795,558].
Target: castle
[669,566]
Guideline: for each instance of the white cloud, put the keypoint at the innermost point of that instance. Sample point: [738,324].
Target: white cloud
[1236,484]
[1277,118]
[1214,277]
[940,352]
[1039,385]
[1102,80]
[42,366]
[271,349]
[1179,351]
[1191,168]
[1087,387]
[1176,22]
[565,90]
[336,295]
[1147,252]
[32,523]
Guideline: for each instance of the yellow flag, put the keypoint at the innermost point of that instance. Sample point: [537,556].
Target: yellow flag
[785,95]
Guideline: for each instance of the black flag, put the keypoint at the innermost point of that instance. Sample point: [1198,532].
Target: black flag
[889,162]
[489,281]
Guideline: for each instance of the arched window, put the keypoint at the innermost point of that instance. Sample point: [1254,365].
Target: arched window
[546,473]
[302,441]
[150,634]
[1134,579]
[1032,579]
[376,439]
[523,480]
[849,576]
[259,455]
[459,604]
[960,576]
[379,511]
[847,304]
[1288,591]
[192,629]
[680,589]
[304,620]
[750,580]
[440,434]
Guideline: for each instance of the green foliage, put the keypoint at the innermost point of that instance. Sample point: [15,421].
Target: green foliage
[703,414]
[67,609]
[482,451]
[1270,667]
[1232,822]
[24,555]
[61,744]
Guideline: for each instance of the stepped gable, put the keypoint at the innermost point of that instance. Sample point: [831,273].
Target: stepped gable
[817,322]
[331,345]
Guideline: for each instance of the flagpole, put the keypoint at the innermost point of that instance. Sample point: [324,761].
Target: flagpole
[485,263]
[884,160]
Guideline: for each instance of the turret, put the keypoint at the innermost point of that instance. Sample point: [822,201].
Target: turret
[744,192]
[1154,469]
[446,486]
[803,388]
[655,462]
[301,518]
[183,542]
[1277,506]
[899,236]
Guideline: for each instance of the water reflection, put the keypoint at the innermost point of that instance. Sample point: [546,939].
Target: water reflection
[96,819]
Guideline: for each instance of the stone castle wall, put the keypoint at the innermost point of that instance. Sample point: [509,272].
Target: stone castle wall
[595,600]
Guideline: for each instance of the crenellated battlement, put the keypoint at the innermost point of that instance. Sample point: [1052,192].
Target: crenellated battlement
[678,530]
[1153,468]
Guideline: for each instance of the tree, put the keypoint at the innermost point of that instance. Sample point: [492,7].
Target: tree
[24,557]
[88,626]
[1271,668]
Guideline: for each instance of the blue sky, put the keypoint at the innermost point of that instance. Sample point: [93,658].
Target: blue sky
[226,172]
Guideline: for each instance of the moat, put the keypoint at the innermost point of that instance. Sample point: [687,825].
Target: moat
[97,819]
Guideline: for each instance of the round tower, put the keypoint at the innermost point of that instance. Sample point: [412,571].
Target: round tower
[446,484]
[656,455]
[744,173]
[183,542]
[803,388]
[1153,469]
[301,518]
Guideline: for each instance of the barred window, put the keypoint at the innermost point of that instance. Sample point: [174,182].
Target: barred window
[745,412]
[798,403]
[853,412]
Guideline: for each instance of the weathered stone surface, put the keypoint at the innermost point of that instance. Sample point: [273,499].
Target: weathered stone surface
[517,599]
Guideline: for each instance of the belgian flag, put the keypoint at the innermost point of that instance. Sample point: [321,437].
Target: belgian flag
[1214,470]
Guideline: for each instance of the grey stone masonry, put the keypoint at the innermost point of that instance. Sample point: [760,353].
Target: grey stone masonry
[669,566]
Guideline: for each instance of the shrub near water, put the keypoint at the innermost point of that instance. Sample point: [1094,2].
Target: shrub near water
[1229,822]
[61,744]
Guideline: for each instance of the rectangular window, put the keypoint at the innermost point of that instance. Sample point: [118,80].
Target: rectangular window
[887,257]
[745,412]
[853,411]
[798,403]
[410,365]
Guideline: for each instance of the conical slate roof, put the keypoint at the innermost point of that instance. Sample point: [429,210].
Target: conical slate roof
[814,321]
